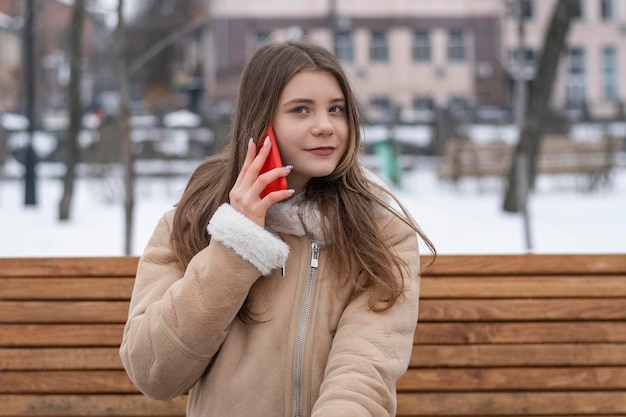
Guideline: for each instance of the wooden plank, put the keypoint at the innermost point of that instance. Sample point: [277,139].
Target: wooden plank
[12,359]
[430,310]
[63,311]
[518,355]
[514,379]
[83,288]
[512,404]
[522,333]
[101,335]
[523,309]
[89,405]
[485,265]
[502,286]
[124,266]
[578,264]
[66,382]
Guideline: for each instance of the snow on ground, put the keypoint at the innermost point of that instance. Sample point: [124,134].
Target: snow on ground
[460,220]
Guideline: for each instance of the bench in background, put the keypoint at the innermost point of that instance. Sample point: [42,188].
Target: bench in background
[540,335]
[592,161]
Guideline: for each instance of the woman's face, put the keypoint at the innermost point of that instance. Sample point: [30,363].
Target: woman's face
[311,126]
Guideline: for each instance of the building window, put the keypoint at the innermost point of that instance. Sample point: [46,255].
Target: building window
[421,46]
[609,73]
[459,107]
[343,47]
[379,51]
[423,110]
[529,9]
[423,103]
[607,10]
[578,11]
[576,89]
[530,64]
[381,109]
[456,46]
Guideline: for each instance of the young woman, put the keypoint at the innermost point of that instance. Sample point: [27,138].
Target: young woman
[300,303]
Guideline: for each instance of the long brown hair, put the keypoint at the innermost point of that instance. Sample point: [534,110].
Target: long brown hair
[349,202]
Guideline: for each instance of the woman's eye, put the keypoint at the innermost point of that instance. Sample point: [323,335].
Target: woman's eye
[299,110]
[337,109]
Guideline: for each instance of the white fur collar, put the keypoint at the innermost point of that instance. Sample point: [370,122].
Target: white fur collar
[295,217]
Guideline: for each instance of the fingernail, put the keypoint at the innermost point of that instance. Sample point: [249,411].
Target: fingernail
[250,142]
[267,141]
[289,167]
[291,191]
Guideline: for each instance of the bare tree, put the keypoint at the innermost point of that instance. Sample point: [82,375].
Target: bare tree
[124,121]
[75,103]
[523,166]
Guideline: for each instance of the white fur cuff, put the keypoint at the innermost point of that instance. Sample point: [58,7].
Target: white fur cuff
[261,248]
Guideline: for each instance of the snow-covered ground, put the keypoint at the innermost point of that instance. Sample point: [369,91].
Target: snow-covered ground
[459,220]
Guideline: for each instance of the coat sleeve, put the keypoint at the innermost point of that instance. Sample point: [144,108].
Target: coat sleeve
[179,319]
[371,350]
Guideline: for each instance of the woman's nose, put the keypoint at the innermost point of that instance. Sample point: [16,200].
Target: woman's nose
[322,125]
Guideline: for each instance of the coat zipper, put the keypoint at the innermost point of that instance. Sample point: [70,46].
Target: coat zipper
[302,325]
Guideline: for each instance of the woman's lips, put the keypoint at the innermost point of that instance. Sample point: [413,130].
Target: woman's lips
[322,151]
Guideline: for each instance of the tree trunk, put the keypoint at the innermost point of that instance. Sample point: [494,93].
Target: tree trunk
[124,121]
[538,104]
[75,103]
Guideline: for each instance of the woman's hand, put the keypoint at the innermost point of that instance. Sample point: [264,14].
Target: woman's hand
[245,196]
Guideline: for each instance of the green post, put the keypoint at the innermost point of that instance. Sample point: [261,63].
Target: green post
[387,153]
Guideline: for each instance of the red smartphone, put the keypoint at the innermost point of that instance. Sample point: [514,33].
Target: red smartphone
[273,161]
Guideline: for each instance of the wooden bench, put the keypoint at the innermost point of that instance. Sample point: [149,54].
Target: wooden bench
[592,161]
[540,335]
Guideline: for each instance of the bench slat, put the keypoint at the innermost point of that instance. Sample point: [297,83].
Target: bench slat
[482,265]
[63,311]
[106,288]
[430,310]
[124,266]
[531,333]
[85,288]
[12,359]
[597,354]
[523,286]
[60,334]
[522,310]
[511,403]
[89,405]
[520,265]
[66,382]
[507,379]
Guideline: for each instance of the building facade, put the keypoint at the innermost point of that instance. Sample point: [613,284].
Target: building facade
[589,76]
[408,57]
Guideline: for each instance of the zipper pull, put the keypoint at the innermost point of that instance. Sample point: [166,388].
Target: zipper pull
[315,255]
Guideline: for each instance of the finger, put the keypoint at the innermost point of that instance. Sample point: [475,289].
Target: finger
[276,196]
[270,176]
[253,169]
[250,155]
[263,151]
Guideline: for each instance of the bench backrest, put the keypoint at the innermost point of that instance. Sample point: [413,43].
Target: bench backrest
[498,335]
[557,155]
[541,335]
[61,323]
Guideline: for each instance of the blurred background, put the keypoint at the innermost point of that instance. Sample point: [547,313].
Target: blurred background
[501,124]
